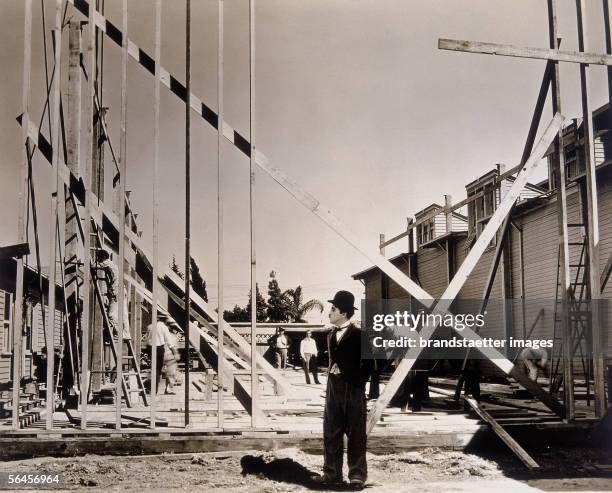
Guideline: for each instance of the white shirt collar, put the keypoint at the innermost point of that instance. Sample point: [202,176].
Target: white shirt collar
[341,330]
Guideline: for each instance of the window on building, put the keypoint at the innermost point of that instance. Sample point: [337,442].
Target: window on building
[481,208]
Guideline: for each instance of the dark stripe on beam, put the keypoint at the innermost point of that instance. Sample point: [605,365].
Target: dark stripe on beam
[146,61]
[241,143]
[82,6]
[114,33]
[177,88]
[45,147]
[210,116]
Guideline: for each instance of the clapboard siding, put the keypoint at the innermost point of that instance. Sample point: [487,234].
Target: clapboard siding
[373,286]
[395,291]
[431,270]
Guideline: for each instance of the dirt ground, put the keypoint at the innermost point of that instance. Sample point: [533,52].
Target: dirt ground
[430,470]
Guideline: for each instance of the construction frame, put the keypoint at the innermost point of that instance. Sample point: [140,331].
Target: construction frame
[232,359]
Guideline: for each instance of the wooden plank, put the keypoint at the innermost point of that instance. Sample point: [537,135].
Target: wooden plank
[252,228]
[563,234]
[523,52]
[90,148]
[496,427]
[155,258]
[121,211]
[17,326]
[187,298]
[460,277]
[220,257]
[71,258]
[592,214]
[503,434]
[53,213]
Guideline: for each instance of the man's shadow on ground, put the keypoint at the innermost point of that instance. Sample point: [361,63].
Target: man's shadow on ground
[285,470]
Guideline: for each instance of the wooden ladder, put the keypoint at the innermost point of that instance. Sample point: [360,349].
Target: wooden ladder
[110,338]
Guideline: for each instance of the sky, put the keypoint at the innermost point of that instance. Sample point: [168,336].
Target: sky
[353,100]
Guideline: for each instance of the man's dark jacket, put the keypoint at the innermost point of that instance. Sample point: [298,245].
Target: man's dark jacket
[347,355]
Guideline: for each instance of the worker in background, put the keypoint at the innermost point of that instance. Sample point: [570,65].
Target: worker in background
[534,361]
[281,348]
[111,278]
[308,352]
[170,369]
[345,400]
[158,339]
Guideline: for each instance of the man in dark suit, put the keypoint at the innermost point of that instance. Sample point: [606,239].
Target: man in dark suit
[345,401]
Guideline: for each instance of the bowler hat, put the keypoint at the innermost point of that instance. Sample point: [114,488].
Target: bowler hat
[343,300]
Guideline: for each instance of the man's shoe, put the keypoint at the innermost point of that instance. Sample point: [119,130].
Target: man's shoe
[357,484]
[323,480]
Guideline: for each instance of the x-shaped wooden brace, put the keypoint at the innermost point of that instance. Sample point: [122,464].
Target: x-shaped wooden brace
[442,305]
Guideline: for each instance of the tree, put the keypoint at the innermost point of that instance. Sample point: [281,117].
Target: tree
[262,306]
[197,281]
[297,309]
[238,314]
[176,269]
[277,303]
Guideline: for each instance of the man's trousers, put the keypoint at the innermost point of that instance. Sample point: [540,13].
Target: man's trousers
[280,356]
[345,413]
[309,363]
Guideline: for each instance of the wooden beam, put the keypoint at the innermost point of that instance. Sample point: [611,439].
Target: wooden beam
[17,326]
[519,451]
[503,434]
[122,176]
[607,15]
[523,52]
[89,207]
[72,255]
[55,142]
[155,259]
[254,378]
[592,220]
[220,257]
[460,277]
[558,164]
[187,284]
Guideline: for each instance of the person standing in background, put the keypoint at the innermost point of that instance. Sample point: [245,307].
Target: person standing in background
[308,352]
[281,349]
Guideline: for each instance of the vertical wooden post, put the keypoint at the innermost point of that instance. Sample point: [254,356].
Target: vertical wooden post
[410,234]
[55,142]
[564,273]
[381,247]
[187,200]
[506,284]
[221,319]
[17,325]
[90,148]
[73,272]
[592,219]
[154,287]
[450,254]
[254,379]
[122,178]
[607,11]
[448,214]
